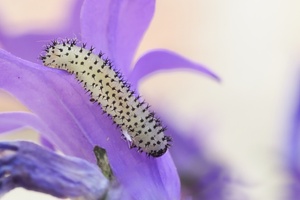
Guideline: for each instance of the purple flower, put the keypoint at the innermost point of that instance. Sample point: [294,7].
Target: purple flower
[63,115]
[45,171]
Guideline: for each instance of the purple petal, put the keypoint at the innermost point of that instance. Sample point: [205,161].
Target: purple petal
[115,27]
[9,121]
[158,60]
[294,150]
[19,46]
[8,127]
[200,178]
[77,125]
[21,119]
[25,164]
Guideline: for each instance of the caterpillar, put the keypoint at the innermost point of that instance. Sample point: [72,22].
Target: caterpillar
[107,87]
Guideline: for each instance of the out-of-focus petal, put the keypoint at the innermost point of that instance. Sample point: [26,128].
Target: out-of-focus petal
[200,177]
[78,125]
[158,60]
[293,148]
[29,46]
[25,164]
[22,119]
[10,121]
[9,127]
[116,27]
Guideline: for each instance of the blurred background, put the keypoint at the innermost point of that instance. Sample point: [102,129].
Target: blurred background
[242,122]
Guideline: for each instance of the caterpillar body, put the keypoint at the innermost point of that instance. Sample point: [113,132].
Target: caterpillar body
[107,87]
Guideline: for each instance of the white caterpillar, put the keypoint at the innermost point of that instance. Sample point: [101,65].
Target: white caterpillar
[107,87]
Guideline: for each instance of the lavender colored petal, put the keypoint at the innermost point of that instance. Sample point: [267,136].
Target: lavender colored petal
[293,148]
[22,119]
[77,125]
[25,164]
[29,46]
[10,121]
[116,27]
[9,127]
[158,60]
[200,177]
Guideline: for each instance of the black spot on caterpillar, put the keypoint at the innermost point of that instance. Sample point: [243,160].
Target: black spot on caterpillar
[107,87]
